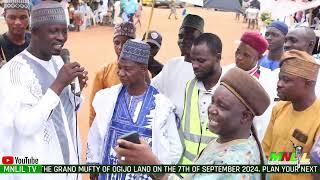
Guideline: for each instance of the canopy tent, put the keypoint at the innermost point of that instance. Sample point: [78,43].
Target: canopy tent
[195,2]
[225,5]
[282,8]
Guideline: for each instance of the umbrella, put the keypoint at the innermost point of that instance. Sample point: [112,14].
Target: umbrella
[224,5]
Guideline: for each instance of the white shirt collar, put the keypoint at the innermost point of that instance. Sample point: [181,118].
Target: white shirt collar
[31,56]
[48,65]
[253,70]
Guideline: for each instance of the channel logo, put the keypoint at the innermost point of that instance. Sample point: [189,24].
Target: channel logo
[7,160]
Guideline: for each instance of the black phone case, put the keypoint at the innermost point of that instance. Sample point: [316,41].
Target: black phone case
[132,137]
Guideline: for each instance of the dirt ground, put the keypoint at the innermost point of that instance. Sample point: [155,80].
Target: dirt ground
[93,47]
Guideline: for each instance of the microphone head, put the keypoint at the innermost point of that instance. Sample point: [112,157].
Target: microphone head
[65,55]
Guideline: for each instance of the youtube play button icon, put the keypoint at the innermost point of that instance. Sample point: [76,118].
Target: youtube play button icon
[7,160]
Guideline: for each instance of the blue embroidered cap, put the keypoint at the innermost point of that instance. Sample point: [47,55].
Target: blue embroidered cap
[281,26]
[135,50]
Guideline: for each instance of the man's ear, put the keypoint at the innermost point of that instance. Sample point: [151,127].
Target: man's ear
[247,117]
[310,83]
[218,56]
[311,45]
[144,67]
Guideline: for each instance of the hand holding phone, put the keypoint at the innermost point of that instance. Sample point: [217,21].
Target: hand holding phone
[132,137]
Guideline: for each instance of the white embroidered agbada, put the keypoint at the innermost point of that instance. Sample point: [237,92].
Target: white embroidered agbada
[172,80]
[268,80]
[37,122]
[166,144]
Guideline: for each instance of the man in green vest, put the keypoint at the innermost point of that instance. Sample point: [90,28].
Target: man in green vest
[205,56]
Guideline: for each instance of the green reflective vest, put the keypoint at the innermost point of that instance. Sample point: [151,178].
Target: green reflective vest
[195,136]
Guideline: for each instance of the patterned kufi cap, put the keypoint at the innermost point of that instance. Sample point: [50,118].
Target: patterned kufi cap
[135,50]
[299,63]
[47,12]
[125,29]
[16,4]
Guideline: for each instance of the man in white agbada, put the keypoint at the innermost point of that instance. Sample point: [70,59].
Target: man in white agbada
[130,106]
[101,11]
[172,80]
[252,14]
[36,99]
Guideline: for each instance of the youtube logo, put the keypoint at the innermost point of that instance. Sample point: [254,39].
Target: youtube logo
[7,160]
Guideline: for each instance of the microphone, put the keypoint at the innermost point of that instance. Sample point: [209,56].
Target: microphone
[65,55]
[75,88]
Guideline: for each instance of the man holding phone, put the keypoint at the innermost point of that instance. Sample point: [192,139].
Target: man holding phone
[231,114]
[133,105]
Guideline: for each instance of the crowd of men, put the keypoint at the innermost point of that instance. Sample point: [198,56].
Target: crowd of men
[192,110]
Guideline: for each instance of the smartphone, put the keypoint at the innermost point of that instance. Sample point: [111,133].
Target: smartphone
[132,137]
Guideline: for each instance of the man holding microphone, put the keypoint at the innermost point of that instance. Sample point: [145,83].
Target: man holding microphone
[41,111]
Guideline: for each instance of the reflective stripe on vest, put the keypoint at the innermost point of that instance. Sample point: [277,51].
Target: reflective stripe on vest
[195,136]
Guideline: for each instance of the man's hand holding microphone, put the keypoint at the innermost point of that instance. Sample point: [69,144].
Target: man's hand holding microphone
[69,74]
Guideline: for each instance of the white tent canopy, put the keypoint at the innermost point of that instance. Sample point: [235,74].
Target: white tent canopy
[282,8]
[195,2]
[225,5]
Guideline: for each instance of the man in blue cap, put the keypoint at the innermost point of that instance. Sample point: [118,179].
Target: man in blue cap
[275,35]
[133,105]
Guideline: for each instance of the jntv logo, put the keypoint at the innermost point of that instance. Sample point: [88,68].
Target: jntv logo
[288,158]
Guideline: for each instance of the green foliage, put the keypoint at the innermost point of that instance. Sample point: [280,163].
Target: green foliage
[266,18]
